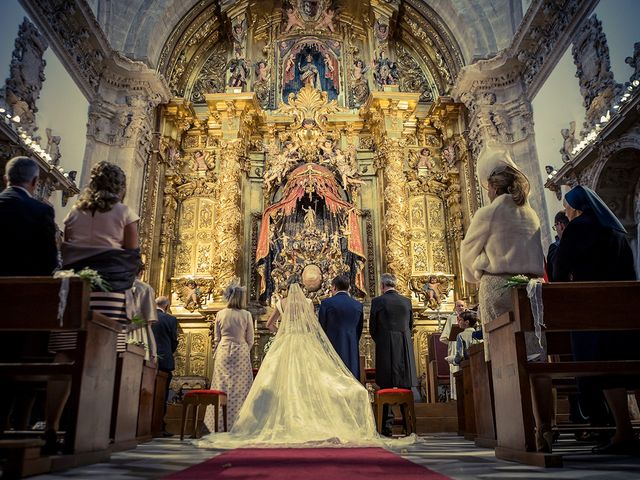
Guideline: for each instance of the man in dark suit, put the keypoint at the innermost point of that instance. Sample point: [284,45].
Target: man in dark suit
[165,331]
[560,222]
[390,325]
[28,240]
[342,319]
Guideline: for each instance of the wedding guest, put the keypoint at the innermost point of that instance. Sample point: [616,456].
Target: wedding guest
[452,320]
[466,322]
[390,325]
[560,222]
[28,240]
[27,248]
[594,247]
[101,233]
[341,318]
[233,339]
[503,239]
[165,331]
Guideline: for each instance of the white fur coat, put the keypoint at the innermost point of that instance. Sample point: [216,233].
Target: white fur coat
[503,238]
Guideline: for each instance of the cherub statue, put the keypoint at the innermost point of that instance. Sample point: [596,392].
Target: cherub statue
[433,293]
[239,31]
[191,294]
[327,20]
[326,148]
[293,20]
[262,72]
[381,31]
[346,165]
[569,142]
[425,159]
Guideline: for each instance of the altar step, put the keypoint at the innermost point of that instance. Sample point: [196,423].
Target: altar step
[436,417]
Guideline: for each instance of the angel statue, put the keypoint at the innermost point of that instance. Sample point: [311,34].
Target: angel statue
[569,142]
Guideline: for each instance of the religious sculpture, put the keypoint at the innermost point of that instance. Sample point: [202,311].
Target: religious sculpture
[313,63]
[326,22]
[53,147]
[238,73]
[293,20]
[309,73]
[360,86]
[634,62]
[385,72]
[569,142]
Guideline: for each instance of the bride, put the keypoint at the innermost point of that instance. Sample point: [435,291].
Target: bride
[303,394]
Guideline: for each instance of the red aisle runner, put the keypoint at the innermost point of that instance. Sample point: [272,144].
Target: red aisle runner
[309,464]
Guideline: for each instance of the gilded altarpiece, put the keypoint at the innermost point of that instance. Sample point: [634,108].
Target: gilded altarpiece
[310,144]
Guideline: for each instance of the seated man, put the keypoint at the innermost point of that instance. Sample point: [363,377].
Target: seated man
[467,322]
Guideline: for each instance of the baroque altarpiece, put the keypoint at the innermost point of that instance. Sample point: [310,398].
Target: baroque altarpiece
[307,137]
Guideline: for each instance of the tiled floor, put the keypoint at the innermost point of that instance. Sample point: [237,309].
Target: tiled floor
[445,453]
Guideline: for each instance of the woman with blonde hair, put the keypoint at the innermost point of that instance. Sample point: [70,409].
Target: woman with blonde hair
[232,371]
[503,240]
[504,237]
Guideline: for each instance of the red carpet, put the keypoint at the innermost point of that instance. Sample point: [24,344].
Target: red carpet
[309,464]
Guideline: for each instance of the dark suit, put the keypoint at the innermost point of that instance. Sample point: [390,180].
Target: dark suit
[390,325]
[28,240]
[165,331]
[551,260]
[341,318]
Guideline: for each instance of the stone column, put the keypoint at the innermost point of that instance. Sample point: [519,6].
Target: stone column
[500,116]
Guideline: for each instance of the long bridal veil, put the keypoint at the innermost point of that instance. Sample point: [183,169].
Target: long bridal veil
[303,394]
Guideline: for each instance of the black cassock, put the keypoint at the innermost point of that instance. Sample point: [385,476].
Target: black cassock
[390,325]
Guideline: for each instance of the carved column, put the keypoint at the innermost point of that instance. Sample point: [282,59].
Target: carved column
[228,234]
[388,113]
[232,117]
[391,153]
[500,116]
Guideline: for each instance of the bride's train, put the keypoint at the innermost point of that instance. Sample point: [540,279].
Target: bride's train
[303,395]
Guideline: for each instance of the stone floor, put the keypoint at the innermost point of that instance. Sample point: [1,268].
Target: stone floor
[445,453]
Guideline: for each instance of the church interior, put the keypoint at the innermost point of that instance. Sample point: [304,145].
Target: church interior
[263,140]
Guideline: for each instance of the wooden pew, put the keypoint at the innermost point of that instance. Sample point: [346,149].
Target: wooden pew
[574,307]
[146,404]
[483,402]
[457,377]
[29,308]
[438,368]
[157,424]
[126,398]
[470,431]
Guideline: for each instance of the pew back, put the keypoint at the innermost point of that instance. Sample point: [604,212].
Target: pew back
[19,296]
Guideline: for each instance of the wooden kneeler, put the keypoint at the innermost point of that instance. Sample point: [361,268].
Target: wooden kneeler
[197,398]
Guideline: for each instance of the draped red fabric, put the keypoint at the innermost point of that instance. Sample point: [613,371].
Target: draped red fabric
[311,177]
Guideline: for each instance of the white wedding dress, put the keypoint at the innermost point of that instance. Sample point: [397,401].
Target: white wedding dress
[303,394]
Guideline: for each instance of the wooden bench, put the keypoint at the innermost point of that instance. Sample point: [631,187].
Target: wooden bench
[437,367]
[568,307]
[29,309]
[483,401]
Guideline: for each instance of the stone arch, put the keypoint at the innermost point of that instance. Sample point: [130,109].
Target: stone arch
[618,184]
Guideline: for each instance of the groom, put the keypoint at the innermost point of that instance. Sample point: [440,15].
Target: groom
[341,318]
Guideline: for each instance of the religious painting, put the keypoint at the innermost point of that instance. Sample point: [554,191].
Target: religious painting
[313,63]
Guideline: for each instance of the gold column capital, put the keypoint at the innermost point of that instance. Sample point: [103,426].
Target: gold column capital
[390,112]
[232,114]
